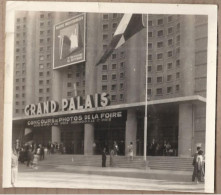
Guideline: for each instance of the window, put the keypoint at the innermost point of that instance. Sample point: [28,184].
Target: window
[40,82]
[150,23]
[104,47]
[121,75]
[169,65]
[122,54]
[23,80]
[114,25]
[114,77]
[17,66]
[41,66]
[17,42]
[104,77]
[169,89]
[48,73]
[177,63]
[77,84]
[48,40]
[113,98]
[169,77]
[48,32]
[178,51]
[160,44]
[105,26]
[41,74]
[48,65]
[178,26]
[105,36]
[177,75]
[113,87]
[48,81]
[150,34]
[121,97]
[159,91]
[69,75]
[40,90]
[178,38]
[105,16]
[149,80]
[17,50]
[17,111]
[170,30]
[41,40]
[122,65]
[18,19]
[159,79]
[177,88]
[17,57]
[104,87]
[169,54]
[149,92]
[69,85]
[69,94]
[17,73]
[41,24]
[149,68]
[160,21]
[49,15]
[40,99]
[114,66]
[48,90]
[42,16]
[159,67]
[49,23]
[17,95]
[114,56]
[78,74]
[160,33]
[114,15]
[121,86]
[17,88]
[48,56]
[159,56]
[41,58]
[41,32]
[170,42]
[150,45]
[170,18]
[150,57]
[17,80]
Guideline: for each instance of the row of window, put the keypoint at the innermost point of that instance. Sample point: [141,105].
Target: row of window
[77,84]
[41,74]
[18,27]
[21,19]
[17,103]
[113,87]
[161,55]
[48,15]
[21,57]
[42,24]
[70,75]
[169,90]
[113,66]
[159,79]
[48,57]
[18,42]
[71,93]
[41,90]
[105,27]
[19,34]
[18,73]
[162,21]
[18,95]
[113,76]
[161,33]
[107,16]
[18,66]
[48,65]
[19,88]
[18,50]
[18,80]
[42,32]
[41,82]
[160,67]
[114,97]
[161,44]
[41,41]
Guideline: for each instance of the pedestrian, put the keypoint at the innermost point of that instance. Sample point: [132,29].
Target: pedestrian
[194,175]
[200,167]
[112,158]
[130,151]
[104,157]
[30,157]
[116,148]
[94,148]
[14,167]
[35,161]
[42,153]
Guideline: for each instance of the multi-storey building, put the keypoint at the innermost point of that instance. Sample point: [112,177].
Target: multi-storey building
[176,65]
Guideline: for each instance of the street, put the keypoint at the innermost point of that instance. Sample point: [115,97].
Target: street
[66,177]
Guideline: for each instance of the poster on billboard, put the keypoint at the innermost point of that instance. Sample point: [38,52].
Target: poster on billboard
[69,42]
[137,107]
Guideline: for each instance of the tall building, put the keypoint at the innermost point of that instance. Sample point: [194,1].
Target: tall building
[176,91]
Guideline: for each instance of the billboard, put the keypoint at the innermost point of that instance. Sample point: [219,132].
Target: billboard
[69,42]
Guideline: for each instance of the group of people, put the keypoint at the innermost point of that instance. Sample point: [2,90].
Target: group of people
[161,149]
[199,166]
[113,152]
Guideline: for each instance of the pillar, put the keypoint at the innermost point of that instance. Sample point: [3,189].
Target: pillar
[131,130]
[88,138]
[55,134]
[186,129]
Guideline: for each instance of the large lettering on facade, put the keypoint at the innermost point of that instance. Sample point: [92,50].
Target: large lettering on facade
[74,103]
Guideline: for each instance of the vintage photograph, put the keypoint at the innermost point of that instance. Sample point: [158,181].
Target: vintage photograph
[109,99]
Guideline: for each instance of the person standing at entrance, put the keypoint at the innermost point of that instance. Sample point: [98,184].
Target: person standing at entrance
[130,151]
[194,175]
[112,158]
[14,167]
[104,157]
[116,149]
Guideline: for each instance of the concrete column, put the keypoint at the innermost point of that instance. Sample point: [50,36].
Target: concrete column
[185,129]
[88,138]
[55,134]
[131,130]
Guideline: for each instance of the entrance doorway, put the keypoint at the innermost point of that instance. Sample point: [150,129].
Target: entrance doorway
[106,133]
[162,130]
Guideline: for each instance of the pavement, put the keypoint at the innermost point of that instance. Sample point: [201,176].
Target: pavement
[86,177]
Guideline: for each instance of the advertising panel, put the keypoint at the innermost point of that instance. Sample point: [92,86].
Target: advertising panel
[69,42]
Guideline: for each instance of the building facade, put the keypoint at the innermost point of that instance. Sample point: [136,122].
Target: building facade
[176,79]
